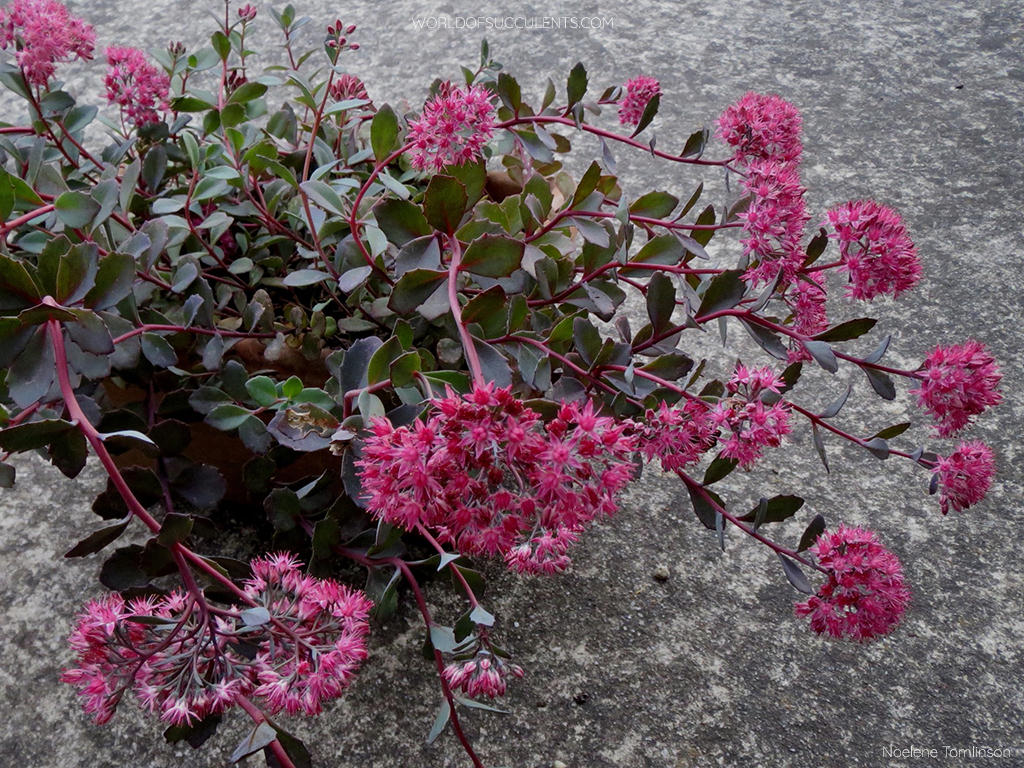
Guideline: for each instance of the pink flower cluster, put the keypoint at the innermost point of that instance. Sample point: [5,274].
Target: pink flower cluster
[349,87]
[806,299]
[490,476]
[453,129]
[749,423]
[44,34]
[314,641]
[639,91]
[185,660]
[762,126]
[135,85]
[965,475]
[773,224]
[875,248]
[678,436]
[483,675]
[764,131]
[958,382]
[865,596]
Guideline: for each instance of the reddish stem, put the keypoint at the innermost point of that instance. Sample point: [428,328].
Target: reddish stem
[702,491]
[453,300]
[95,440]
[816,419]
[613,136]
[470,595]
[353,217]
[352,394]
[25,218]
[258,717]
[438,659]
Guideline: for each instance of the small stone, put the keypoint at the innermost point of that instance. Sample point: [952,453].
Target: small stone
[661,573]
[559,764]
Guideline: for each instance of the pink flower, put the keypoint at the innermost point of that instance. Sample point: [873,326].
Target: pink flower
[749,424]
[44,34]
[679,435]
[184,667]
[965,475]
[639,91]
[247,12]
[453,129]
[169,664]
[135,85]
[875,248]
[350,87]
[487,474]
[484,675]
[865,596]
[765,127]
[314,641]
[958,382]
[807,302]
[773,224]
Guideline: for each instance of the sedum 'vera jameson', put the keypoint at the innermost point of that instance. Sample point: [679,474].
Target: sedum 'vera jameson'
[395,344]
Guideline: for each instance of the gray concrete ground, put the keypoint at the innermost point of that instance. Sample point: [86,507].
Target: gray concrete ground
[917,103]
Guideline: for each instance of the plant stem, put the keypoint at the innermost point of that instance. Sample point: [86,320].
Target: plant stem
[438,659]
[353,218]
[702,491]
[470,595]
[453,300]
[25,218]
[258,717]
[611,135]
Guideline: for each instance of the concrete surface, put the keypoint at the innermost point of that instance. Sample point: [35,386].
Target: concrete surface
[916,103]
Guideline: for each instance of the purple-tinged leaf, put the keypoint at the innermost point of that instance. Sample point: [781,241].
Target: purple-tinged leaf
[816,247]
[878,447]
[836,405]
[774,510]
[175,529]
[795,575]
[811,533]
[694,146]
[262,735]
[880,382]
[880,350]
[97,540]
[819,446]
[576,85]
[719,468]
[894,431]
[650,110]
[196,735]
[851,329]
[767,340]
[823,355]
[444,714]
[704,510]
[724,292]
